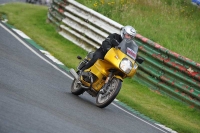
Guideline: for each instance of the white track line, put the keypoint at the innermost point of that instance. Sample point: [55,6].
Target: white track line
[57,68]
[138,118]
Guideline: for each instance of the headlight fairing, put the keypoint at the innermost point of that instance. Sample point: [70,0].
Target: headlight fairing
[126,65]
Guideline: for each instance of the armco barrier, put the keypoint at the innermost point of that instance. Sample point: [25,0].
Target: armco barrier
[81,25]
[163,70]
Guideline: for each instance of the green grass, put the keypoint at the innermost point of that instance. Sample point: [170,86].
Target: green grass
[162,109]
[31,19]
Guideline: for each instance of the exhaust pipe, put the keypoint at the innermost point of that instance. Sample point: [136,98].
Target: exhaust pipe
[74,74]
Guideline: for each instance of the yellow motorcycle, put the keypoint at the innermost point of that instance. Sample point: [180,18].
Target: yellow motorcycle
[104,79]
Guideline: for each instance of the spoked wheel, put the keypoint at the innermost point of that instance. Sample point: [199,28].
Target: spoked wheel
[76,88]
[113,89]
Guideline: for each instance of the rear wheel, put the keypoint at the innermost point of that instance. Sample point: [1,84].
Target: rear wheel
[76,88]
[113,89]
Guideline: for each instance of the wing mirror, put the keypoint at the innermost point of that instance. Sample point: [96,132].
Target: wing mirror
[139,59]
[79,57]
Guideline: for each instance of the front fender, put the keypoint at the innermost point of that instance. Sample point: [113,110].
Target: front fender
[118,77]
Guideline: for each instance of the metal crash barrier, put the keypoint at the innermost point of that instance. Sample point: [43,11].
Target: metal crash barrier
[163,70]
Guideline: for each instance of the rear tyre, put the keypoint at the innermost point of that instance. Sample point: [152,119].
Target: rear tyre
[76,88]
[113,89]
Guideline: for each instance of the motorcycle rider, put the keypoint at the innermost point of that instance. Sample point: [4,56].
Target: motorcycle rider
[127,32]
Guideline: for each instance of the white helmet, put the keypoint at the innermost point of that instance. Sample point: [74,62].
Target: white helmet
[128,30]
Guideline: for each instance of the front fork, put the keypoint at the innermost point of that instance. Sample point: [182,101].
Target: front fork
[108,79]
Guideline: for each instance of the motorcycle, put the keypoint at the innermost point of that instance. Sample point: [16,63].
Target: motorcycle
[104,79]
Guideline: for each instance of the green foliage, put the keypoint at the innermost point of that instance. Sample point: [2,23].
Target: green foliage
[173,24]
[2,16]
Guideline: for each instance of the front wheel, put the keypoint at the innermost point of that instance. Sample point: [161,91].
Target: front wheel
[76,88]
[113,89]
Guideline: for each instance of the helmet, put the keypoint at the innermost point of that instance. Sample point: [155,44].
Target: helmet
[128,30]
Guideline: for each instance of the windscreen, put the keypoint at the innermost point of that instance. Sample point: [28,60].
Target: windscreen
[129,47]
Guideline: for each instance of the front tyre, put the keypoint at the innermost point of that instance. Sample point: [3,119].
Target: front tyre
[113,89]
[76,88]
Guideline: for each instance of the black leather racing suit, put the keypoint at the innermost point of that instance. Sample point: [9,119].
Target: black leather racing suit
[101,52]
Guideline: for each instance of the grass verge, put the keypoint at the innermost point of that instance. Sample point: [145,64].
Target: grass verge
[31,19]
